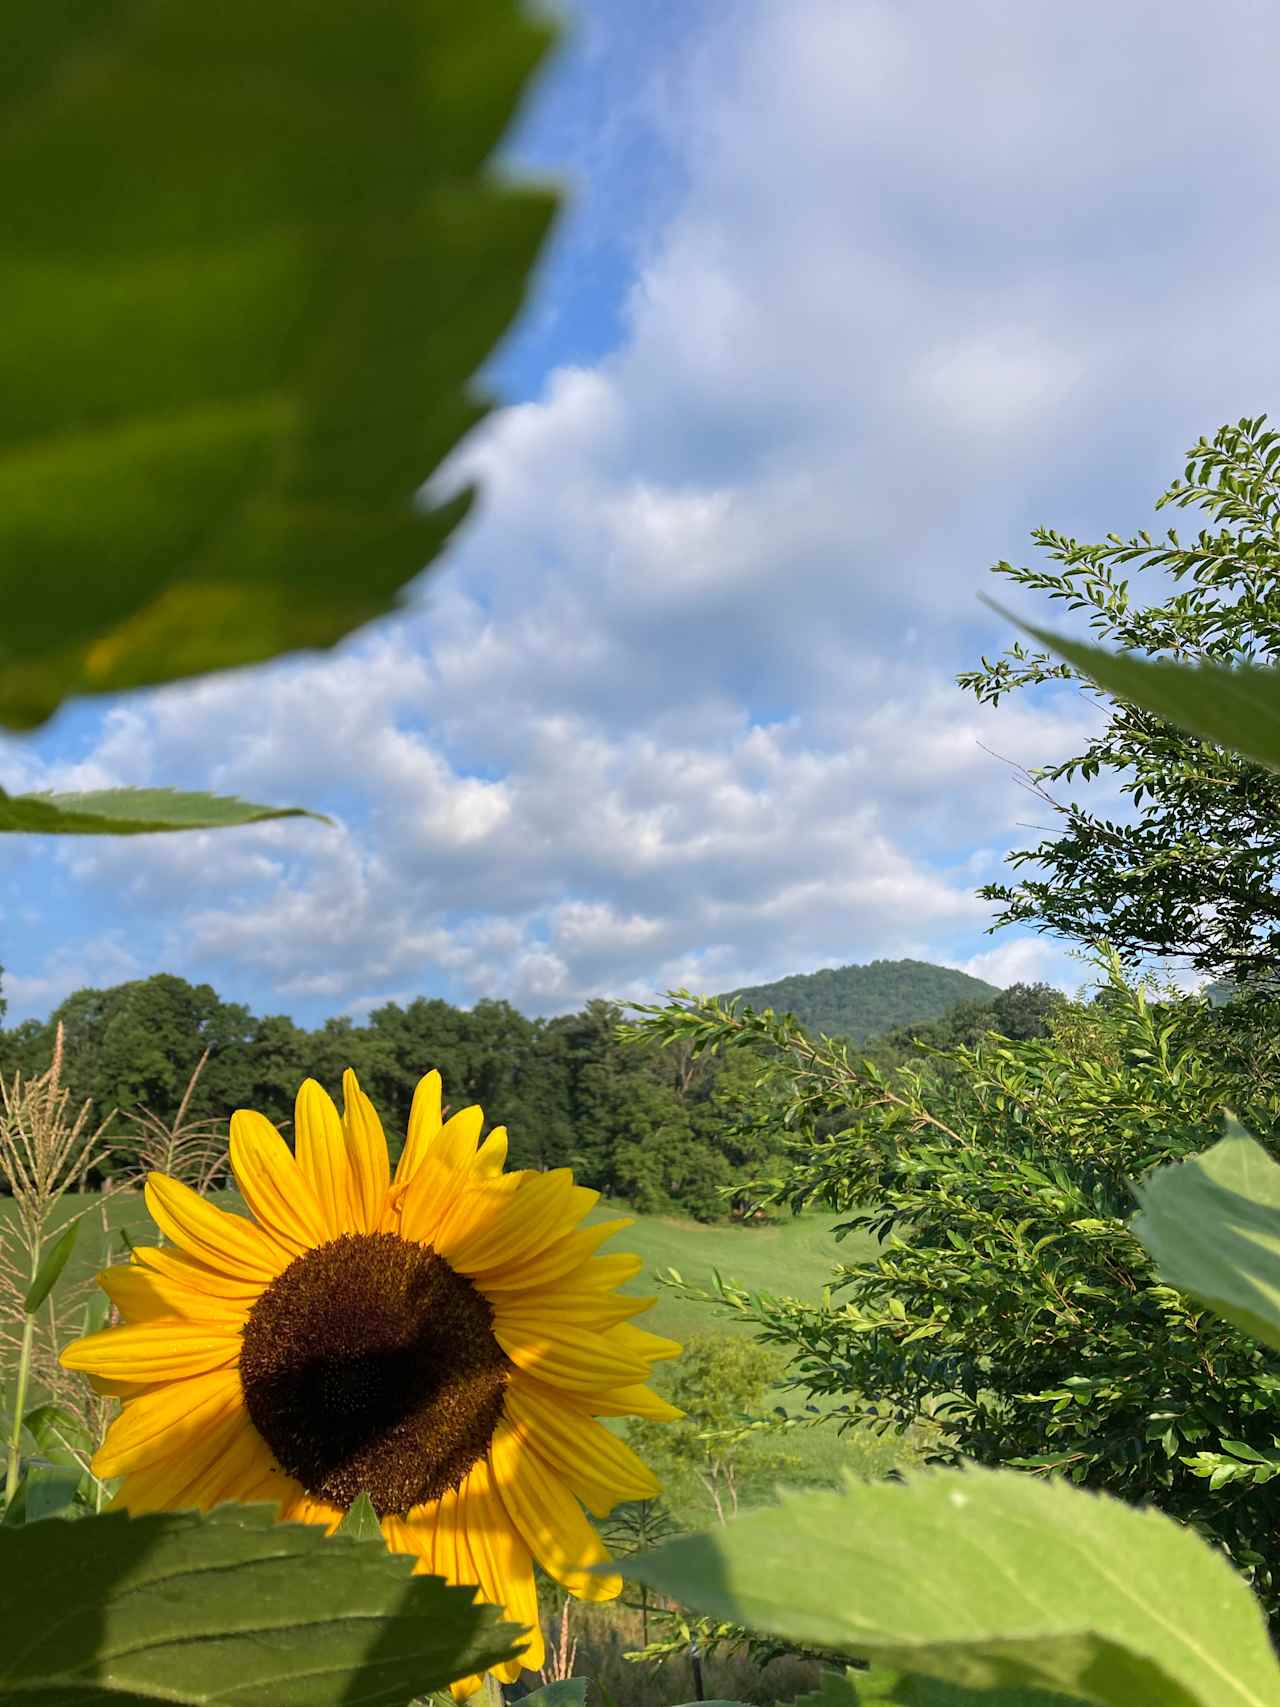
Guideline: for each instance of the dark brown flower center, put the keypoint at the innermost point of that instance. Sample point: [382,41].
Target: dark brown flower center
[368,1364]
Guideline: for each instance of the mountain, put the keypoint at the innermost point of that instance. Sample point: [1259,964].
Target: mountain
[858,1002]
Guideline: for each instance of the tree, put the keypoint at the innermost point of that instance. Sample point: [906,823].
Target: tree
[722,1442]
[1196,873]
[276,1061]
[634,1527]
[136,1045]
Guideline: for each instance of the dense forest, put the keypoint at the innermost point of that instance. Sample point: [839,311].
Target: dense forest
[858,1002]
[650,1126]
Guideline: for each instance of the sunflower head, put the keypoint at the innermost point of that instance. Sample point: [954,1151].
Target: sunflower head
[445,1340]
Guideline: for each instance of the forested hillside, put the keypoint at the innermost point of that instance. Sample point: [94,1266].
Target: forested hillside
[648,1125]
[858,1002]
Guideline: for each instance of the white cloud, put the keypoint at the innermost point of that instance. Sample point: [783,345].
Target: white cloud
[1025,960]
[99,962]
[679,706]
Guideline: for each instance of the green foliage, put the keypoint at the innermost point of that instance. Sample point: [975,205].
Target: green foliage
[132,811]
[858,1002]
[233,1608]
[722,1442]
[235,349]
[54,1448]
[987,1580]
[1009,1309]
[1195,873]
[1020,1013]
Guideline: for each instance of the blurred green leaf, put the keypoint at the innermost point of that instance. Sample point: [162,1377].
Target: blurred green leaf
[572,1692]
[251,260]
[1236,707]
[1212,1223]
[895,1689]
[231,1608]
[846,1689]
[987,1579]
[51,1266]
[133,811]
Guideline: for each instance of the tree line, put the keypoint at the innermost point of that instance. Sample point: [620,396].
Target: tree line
[658,1129]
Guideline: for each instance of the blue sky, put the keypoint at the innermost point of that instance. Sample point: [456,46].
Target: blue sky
[849,297]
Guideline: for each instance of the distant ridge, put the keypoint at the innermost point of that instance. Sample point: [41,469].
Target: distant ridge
[859,1002]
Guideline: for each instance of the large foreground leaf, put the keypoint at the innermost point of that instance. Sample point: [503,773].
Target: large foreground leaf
[232,1609]
[899,1689]
[133,811]
[1213,1225]
[988,1580]
[1236,707]
[250,260]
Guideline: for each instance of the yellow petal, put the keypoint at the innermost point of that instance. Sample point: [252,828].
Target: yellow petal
[196,1276]
[273,1185]
[163,1351]
[302,1508]
[141,1296]
[549,1518]
[466,1537]
[244,1460]
[399,1537]
[555,1260]
[444,1536]
[226,1242]
[589,1459]
[598,1310]
[122,1390]
[424,1123]
[455,1143]
[450,1210]
[272,1487]
[546,1206]
[639,1342]
[322,1155]
[503,1561]
[565,1353]
[491,1157]
[366,1156]
[160,1486]
[637,1401]
[167,1420]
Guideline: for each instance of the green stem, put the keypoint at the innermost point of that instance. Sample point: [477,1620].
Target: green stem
[20,1400]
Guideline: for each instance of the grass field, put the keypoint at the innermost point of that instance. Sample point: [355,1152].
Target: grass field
[794,1258]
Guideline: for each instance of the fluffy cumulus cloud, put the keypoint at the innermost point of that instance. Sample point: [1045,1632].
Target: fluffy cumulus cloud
[679,707]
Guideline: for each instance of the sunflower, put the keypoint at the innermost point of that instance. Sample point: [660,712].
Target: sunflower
[444,1342]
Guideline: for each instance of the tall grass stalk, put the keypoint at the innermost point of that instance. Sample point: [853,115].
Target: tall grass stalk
[45,1152]
[193,1151]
